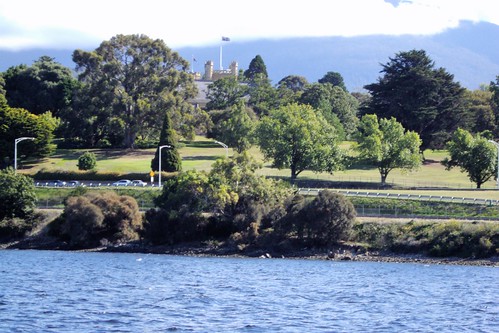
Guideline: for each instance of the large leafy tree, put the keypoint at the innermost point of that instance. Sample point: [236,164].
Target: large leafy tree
[15,123]
[480,112]
[421,97]
[385,144]
[236,130]
[17,195]
[136,79]
[297,137]
[45,86]
[262,96]
[224,93]
[473,155]
[290,89]
[334,103]
[2,85]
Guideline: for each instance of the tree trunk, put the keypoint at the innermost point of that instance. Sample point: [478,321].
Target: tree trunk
[129,138]
[293,173]
[383,179]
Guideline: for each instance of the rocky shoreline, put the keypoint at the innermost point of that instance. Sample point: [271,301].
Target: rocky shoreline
[338,253]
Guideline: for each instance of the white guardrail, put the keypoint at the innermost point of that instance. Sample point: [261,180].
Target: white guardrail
[315,191]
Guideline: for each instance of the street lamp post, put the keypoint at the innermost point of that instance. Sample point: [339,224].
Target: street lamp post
[225,146]
[16,141]
[497,146]
[161,147]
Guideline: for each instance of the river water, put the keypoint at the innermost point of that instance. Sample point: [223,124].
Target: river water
[52,291]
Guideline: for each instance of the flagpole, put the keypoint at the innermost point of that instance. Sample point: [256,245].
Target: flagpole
[221,67]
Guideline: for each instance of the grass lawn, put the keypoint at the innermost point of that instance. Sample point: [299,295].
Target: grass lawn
[200,155]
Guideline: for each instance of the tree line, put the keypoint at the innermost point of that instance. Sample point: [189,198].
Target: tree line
[134,91]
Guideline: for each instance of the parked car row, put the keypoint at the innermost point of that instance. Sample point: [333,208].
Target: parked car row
[126,182]
[75,183]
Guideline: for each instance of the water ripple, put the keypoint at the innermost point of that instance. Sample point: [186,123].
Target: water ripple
[51,291]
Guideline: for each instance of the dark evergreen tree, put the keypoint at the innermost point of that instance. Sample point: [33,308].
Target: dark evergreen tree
[421,97]
[256,69]
[494,88]
[170,158]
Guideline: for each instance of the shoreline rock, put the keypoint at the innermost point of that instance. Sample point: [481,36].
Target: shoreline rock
[339,253]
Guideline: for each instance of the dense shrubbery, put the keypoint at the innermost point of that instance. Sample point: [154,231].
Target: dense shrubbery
[99,217]
[462,239]
[233,204]
[198,205]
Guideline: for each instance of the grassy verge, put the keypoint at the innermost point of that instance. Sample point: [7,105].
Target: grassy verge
[55,197]
[397,207]
[201,154]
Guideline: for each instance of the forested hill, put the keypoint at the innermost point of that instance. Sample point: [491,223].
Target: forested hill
[470,52]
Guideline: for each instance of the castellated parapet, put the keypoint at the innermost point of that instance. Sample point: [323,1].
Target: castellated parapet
[211,74]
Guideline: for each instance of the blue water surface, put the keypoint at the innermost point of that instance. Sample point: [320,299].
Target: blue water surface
[52,291]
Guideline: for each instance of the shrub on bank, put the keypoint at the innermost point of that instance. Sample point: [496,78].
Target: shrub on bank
[325,220]
[98,217]
[440,239]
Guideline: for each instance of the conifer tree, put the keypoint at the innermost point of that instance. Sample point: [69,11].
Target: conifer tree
[170,158]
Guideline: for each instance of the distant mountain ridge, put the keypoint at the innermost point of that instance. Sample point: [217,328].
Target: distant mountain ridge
[470,52]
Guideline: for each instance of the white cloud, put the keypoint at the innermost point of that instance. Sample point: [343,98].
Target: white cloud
[69,24]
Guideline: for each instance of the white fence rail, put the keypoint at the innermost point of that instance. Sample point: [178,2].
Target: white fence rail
[440,198]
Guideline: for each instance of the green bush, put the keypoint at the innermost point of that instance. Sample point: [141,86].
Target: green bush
[87,161]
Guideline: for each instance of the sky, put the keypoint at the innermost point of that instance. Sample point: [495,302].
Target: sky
[66,24]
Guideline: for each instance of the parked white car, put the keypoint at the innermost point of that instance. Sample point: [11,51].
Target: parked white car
[138,183]
[122,182]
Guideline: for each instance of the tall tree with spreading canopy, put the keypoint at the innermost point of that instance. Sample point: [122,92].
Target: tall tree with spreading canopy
[473,155]
[385,144]
[297,137]
[136,79]
[421,97]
